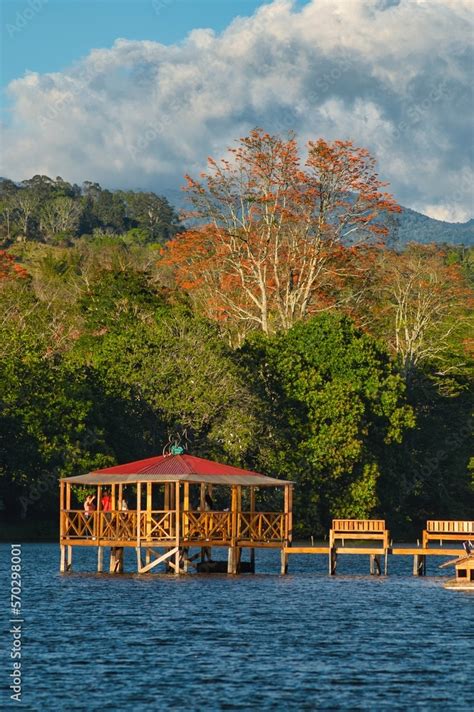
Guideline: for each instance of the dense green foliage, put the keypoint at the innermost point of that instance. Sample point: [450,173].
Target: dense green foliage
[102,358]
[56,212]
[335,407]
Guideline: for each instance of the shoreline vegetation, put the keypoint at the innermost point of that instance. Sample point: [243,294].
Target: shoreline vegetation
[272,326]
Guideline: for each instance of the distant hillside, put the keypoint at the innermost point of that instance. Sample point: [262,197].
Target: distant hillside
[415,227]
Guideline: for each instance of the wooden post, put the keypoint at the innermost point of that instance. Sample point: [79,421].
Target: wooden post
[139,558]
[99,513]
[120,496]
[374,565]
[119,559]
[232,555]
[61,510]
[139,519]
[252,512]
[69,558]
[284,563]
[149,500]
[332,554]
[290,514]
[178,527]
[62,560]
[185,508]
[185,557]
[419,565]
[116,560]
[68,501]
[113,503]
[100,559]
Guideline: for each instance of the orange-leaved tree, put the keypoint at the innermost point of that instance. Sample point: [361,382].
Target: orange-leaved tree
[274,239]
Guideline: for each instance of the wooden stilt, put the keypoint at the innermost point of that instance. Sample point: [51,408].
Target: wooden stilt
[100,559]
[139,559]
[69,558]
[112,560]
[62,560]
[231,560]
[385,567]
[332,561]
[252,559]
[177,555]
[62,528]
[116,560]
[284,563]
[375,568]
[120,554]
[419,565]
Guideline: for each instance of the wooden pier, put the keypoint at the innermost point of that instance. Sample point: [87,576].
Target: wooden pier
[369,530]
[162,507]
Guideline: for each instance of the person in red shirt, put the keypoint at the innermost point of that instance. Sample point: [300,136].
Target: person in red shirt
[106,502]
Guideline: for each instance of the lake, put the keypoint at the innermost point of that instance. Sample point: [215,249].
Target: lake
[259,642]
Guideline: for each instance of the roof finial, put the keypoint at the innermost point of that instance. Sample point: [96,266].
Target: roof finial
[173,446]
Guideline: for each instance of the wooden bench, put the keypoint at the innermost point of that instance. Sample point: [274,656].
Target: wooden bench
[448,530]
[361,529]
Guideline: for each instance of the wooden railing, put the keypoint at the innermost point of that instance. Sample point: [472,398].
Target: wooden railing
[222,527]
[207,526]
[118,525]
[359,529]
[449,529]
[262,526]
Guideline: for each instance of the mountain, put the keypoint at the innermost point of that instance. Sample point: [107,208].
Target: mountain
[415,227]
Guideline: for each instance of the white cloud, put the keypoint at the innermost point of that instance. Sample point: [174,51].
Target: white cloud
[392,76]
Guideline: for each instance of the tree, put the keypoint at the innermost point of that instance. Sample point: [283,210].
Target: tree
[153,213]
[423,303]
[335,406]
[60,216]
[274,240]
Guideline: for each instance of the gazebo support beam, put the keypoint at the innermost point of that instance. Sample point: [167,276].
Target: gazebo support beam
[178,527]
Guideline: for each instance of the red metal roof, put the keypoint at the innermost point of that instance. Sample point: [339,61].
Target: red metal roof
[175,465]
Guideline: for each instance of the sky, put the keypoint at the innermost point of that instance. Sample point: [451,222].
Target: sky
[135,93]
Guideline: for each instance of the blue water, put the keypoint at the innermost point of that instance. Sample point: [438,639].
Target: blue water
[253,642]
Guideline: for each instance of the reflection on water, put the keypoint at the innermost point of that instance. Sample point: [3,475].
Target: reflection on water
[302,642]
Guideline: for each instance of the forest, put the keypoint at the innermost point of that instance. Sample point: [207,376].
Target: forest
[272,325]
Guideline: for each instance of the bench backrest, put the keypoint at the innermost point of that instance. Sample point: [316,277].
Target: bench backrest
[358,525]
[449,527]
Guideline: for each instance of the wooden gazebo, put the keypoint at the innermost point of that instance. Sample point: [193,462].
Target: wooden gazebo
[158,506]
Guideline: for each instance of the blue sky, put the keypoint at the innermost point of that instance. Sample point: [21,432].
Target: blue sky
[63,31]
[135,93]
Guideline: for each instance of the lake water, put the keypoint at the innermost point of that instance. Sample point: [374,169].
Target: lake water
[257,642]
